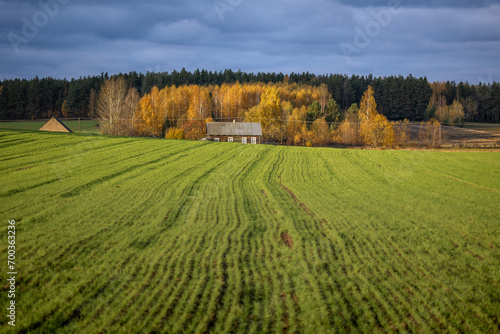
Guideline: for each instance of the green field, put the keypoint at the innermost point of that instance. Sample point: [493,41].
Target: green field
[148,235]
[85,126]
[488,127]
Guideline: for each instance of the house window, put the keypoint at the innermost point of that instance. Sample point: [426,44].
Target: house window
[216,140]
[244,140]
[254,140]
[229,139]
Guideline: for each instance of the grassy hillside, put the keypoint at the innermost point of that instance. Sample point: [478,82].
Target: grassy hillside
[145,235]
[85,126]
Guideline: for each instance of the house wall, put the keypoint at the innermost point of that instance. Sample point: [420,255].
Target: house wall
[236,139]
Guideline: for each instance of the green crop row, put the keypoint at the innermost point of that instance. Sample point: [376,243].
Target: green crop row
[150,235]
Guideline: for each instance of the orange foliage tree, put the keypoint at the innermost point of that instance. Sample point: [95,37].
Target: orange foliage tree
[281,108]
[200,105]
[375,129]
[321,133]
[194,130]
[174,133]
[348,131]
[268,112]
[294,126]
[151,114]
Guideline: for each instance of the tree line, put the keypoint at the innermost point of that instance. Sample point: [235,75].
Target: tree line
[398,97]
[291,114]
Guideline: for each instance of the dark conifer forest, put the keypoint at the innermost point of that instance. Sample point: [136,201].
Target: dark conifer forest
[397,97]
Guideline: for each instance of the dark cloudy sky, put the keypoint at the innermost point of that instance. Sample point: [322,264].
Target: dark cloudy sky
[443,40]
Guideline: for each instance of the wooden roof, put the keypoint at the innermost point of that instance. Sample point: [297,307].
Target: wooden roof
[233,129]
[55,125]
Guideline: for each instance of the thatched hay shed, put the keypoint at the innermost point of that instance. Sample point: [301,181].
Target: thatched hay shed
[55,125]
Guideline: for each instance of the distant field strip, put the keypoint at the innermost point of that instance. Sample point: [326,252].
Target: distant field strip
[149,235]
[85,126]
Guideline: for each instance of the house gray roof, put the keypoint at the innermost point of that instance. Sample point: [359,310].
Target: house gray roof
[233,129]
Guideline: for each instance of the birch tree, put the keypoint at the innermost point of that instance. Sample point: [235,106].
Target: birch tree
[116,106]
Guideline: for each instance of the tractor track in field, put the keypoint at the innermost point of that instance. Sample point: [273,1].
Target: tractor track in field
[155,236]
[464,182]
[295,198]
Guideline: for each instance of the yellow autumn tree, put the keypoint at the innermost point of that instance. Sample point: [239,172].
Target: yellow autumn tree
[323,96]
[368,106]
[218,100]
[174,133]
[267,112]
[453,114]
[348,132]
[375,129]
[303,97]
[178,98]
[321,133]
[144,115]
[194,130]
[226,100]
[151,114]
[200,106]
[295,123]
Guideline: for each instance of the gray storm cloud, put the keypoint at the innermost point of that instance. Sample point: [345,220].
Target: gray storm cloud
[443,40]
